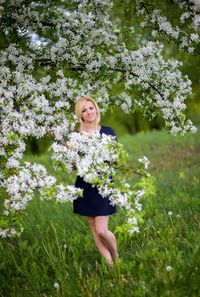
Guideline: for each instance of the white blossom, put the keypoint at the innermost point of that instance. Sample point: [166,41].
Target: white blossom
[168,268]
[144,161]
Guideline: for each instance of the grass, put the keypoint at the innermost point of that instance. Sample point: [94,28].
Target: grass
[57,246]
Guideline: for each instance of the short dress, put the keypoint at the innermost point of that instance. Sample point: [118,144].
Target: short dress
[92,203]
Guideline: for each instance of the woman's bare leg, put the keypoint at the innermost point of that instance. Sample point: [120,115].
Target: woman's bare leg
[104,251]
[104,239]
[101,227]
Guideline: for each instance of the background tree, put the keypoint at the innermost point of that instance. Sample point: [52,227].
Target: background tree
[133,19]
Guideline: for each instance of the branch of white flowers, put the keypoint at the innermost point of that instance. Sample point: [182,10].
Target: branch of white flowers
[152,86]
[53,137]
[13,170]
[82,68]
[45,61]
[136,171]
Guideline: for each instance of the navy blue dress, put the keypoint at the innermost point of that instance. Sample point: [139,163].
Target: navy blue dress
[92,203]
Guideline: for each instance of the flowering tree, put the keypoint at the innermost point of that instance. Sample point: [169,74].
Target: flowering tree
[184,29]
[81,53]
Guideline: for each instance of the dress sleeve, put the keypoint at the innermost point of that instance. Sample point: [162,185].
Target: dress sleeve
[112,132]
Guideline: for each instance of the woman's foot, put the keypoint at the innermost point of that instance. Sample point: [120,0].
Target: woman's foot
[117,259]
[109,264]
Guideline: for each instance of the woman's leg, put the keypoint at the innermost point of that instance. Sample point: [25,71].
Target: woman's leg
[106,236]
[104,239]
[104,251]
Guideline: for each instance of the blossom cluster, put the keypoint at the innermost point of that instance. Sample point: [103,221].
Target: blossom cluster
[94,156]
[186,33]
[21,187]
[98,159]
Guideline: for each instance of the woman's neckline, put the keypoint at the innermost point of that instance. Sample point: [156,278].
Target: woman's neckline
[93,131]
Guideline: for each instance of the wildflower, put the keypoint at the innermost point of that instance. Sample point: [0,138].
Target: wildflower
[168,268]
[65,246]
[146,228]
[134,229]
[170,213]
[178,216]
[56,285]
[158,232]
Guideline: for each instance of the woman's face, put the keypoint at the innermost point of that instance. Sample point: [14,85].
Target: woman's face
[89,113]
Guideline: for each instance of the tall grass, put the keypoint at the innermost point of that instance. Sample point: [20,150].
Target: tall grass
[162,260]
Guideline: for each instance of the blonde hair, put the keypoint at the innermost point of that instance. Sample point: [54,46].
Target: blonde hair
[79,109]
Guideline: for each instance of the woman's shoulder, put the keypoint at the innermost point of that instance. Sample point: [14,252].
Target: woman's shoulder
[107,130]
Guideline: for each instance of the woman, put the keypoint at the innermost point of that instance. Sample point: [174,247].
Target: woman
[92,204]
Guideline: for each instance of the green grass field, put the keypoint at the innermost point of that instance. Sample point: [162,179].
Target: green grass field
[162,260]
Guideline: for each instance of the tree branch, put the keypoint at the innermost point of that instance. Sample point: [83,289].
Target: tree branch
[82,67]
[53,137]
[145,7]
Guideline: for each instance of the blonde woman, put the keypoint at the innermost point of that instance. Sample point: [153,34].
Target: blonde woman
[93,205]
